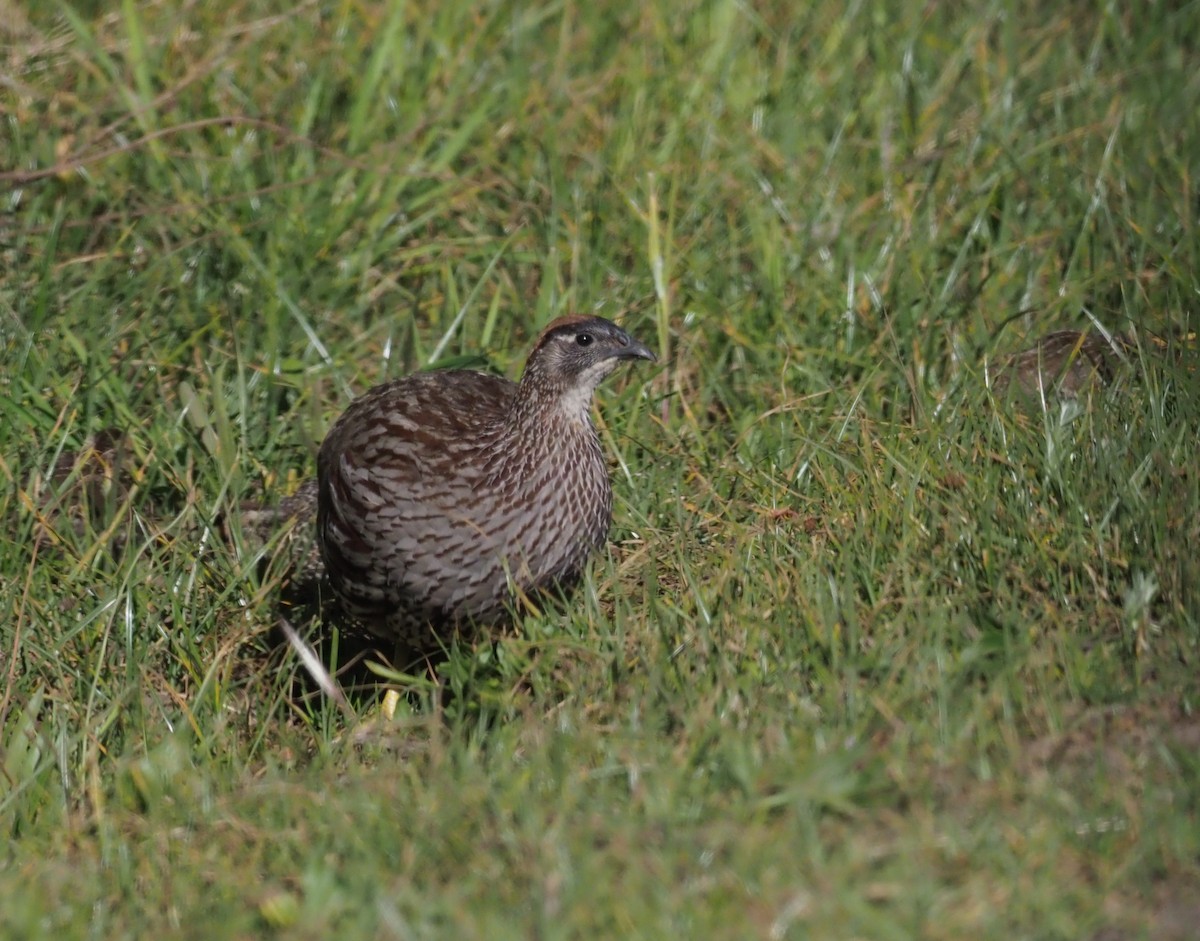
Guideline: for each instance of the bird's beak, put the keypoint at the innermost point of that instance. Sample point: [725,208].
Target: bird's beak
[635,349]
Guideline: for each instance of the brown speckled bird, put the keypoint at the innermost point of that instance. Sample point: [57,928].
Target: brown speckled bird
[1064,364]
[444,495]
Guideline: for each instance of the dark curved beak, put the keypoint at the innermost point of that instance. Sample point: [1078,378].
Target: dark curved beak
[634,349]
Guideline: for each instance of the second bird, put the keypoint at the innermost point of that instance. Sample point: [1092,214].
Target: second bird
[444,495]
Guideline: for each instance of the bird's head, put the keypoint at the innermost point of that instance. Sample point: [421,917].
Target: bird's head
[573,355]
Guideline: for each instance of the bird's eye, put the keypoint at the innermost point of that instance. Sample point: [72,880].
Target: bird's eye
[583,339]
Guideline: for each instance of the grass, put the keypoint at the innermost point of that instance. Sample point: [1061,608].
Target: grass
[872,654]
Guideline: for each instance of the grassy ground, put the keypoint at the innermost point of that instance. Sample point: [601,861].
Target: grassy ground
[872,654]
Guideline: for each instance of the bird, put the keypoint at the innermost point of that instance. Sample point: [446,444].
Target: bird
[444,497]
[1065,363]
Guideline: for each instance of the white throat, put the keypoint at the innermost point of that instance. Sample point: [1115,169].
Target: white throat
[576,403]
